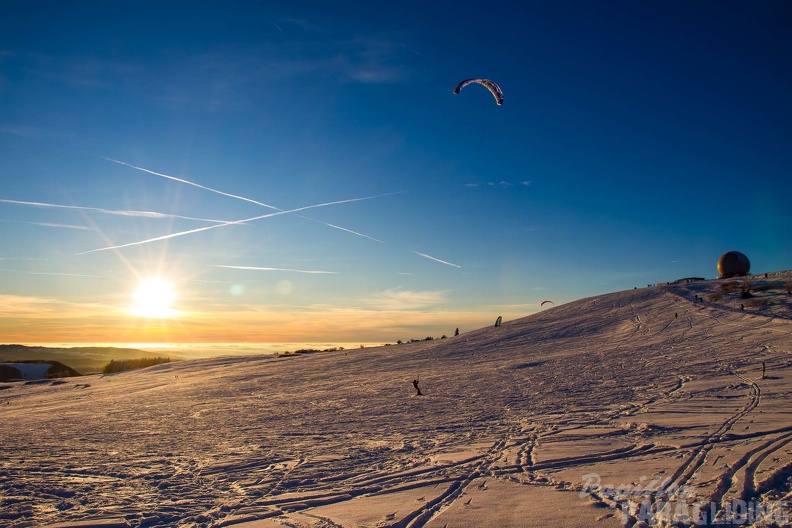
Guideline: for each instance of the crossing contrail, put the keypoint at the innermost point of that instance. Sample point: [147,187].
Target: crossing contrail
[236,222]
[437,260]
[222,193]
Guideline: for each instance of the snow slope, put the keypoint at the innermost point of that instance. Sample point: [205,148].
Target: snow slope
[644,404]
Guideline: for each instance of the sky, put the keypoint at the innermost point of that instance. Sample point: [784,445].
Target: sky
[302,171]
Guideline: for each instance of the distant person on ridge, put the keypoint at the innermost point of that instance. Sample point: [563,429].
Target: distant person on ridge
[415,384]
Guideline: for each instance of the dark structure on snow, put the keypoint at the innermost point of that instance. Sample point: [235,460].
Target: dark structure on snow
[687,280]
[733,264]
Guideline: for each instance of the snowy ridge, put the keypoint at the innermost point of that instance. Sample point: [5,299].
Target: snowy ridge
[644,405]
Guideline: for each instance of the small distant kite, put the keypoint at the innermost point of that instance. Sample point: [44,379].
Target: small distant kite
[489,85]
[498,321]
[545,302]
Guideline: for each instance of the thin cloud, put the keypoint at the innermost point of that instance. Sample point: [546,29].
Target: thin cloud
[253,219]
[424,255]
[369,59]
[257,268]
[503,183]
[398,299]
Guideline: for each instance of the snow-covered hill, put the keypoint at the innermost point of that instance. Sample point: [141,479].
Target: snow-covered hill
[647,403]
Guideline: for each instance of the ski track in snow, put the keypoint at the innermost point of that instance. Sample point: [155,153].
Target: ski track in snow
[636,385]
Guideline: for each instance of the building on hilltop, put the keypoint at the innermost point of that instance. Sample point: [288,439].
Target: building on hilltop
[733,264]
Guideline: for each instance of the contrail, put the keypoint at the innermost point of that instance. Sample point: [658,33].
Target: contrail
[146,214]
[188,182]
[437,260]
[256,268]
[253,219]
[344,228]
[50,224]
[54,273]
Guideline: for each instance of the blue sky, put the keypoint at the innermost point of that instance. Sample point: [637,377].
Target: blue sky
[637,142]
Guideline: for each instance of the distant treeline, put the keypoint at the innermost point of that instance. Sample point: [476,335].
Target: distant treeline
[132,364]
[309,351]
[430,338]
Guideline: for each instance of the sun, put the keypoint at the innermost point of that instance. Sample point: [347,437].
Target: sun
[154,298]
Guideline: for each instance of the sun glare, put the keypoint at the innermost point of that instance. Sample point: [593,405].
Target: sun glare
[154,298]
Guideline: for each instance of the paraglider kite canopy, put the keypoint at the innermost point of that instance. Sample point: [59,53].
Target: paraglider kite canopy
[545,302]
[489,85]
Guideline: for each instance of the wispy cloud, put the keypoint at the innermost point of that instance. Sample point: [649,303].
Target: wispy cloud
[257,268]
[503,184]
[215,226]
[424,255]
[398,299]
[14,305]
[145,214]
[366,59]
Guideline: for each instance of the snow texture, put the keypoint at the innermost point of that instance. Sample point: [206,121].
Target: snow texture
[640,407]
